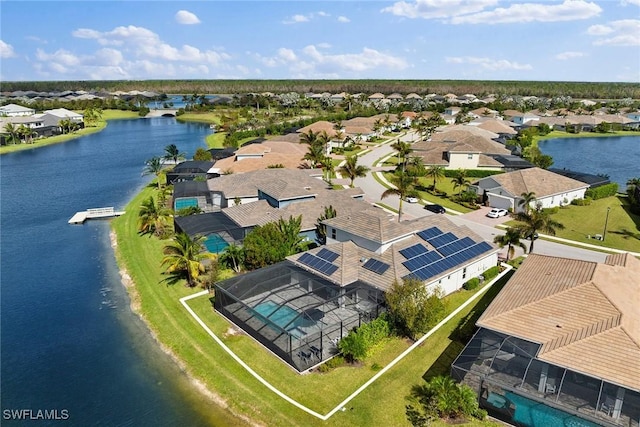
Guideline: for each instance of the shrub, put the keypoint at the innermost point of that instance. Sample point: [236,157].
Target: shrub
[332,363]
[471,284]
[490,273]
[551,211]
[602,191]
[361,342]
[582,202]
[471,173]
[412,308]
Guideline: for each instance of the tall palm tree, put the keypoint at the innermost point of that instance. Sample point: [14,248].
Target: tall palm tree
[510,238]
[537,220]
[154,166]
[153,217]
[460,180]
[403,149]
[415,167]
[353,170]
[327,167]
[526,199]
[315,154]
[172,153]
[404,186]
[321,229]
[13,133]
[309,137]
[435,172]
[26,133]
[184,257]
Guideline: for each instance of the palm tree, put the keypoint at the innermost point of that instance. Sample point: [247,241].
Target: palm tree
[91,115]
[26,133]
[233,255]
[154,166]
[526,199]
[327,167]
[153,217]
[13,133]
[436,172]
[321,229]
[534,221]
[510,238]
[460,180]
[353,170]
[184,256]
[308,138]
[415,167]
[172,153]
[404,186]
[403,149]
[315,154]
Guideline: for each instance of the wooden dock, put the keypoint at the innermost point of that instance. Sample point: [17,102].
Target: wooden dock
[95,213]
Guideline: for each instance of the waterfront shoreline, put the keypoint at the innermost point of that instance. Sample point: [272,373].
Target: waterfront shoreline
[135,306]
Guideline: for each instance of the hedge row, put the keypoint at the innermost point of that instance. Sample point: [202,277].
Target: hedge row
[602,191]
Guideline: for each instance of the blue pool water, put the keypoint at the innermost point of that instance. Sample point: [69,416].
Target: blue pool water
[185,203]
[533,414]
[269,312]
[215,244]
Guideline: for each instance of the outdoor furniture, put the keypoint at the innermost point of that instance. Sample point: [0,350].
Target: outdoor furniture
[607,406]
[550,387]
[316,351]
[306,357]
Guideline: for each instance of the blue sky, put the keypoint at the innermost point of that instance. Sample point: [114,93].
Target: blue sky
[570,40]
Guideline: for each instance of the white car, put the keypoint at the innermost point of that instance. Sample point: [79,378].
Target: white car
[496,213]
[412,199]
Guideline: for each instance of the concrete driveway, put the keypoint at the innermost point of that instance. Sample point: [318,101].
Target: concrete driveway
[480,216]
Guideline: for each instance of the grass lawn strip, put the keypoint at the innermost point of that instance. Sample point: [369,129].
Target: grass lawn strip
[364,386]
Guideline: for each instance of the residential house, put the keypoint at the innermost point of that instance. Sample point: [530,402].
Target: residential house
[14,110]
[284,151]
[325,292]
[550,189]
[560,344]
[190,170]
[64,114]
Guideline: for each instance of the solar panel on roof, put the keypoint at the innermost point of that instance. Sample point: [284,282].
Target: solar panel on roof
[429,233]
[442,240]
[327,255]
[413,251]
[376,266]
[317,264]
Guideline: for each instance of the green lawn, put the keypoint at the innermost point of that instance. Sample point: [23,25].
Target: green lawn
[205,360]
[208,117]
[623,227]
[101,124]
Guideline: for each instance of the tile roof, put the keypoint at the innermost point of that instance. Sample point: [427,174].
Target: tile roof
[251,214]
[372,225]
[319,127]
[247,184]
[540,181]
[585,314]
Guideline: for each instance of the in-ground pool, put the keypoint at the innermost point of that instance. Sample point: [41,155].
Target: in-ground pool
[534,414]
[185,203]
[215,244]
[284,317]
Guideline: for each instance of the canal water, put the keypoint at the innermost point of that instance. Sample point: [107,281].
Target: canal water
[69,339]
[617,157]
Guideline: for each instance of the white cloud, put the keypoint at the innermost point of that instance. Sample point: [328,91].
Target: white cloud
[488,63]
[343,19]
[324,14]
[287,55]
[626,2]
[569,55]
[6,50]
[625,32]
[295,19]
[486,12]
[323,45]
[569,10]
[186,18]
[438,9]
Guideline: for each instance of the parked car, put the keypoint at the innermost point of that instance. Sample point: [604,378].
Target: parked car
[497,213]
[412,199]
[435,209]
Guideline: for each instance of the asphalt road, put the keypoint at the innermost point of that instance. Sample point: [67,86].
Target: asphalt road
[477,221]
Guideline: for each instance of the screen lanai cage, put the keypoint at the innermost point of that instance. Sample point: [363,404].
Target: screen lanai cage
[298,316]
[515,386]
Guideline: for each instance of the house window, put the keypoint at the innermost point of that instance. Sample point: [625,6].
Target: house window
[464,272]
[333,233]
[469,156]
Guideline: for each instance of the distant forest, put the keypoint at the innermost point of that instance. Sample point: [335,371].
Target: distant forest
[589,90]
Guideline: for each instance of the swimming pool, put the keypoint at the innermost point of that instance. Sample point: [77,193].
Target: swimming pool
[534,414]
[283,317]
[215,244]
[185,203]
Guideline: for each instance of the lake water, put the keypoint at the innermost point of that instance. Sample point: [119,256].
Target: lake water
[69,339]
[618,157]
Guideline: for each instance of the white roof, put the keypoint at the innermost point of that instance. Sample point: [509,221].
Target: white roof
[63,112]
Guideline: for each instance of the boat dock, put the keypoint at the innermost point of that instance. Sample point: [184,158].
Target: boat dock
[95,213]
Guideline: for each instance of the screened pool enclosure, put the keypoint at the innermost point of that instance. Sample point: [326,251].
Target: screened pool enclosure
[514,385]
[298,316]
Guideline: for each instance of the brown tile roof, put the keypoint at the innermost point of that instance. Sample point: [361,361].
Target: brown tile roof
[250,214]
[585,314]
[253,149]
[539,181]
[277,151]
[319,127]
[280,189]
[497,126]
[373,225]
[247,184]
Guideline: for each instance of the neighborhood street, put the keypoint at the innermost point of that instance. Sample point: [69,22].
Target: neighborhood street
[477,220]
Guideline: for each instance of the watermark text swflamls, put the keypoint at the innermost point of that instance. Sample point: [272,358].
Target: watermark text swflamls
[35,414]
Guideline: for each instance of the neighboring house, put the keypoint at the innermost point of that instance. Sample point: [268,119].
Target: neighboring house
[560,345]
[284,150]
[190,170]
[313,299]
[551,189]
[452,111]
[462,147]
[14,110]
[524,118]
[64,114]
